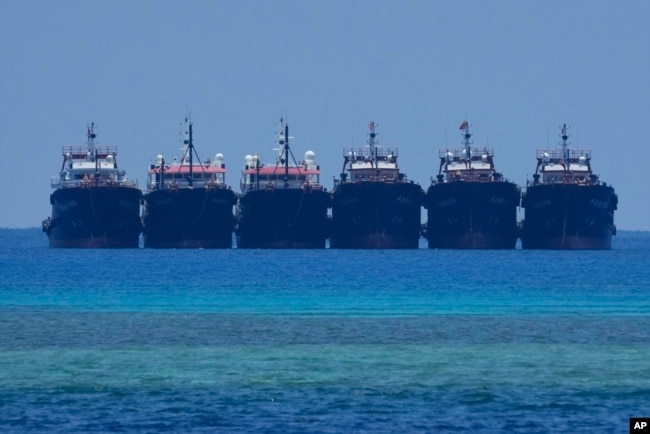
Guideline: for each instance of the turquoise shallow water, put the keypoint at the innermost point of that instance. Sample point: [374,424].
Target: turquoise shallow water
[322,341]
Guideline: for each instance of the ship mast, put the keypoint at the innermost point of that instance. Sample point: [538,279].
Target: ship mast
[190,147]
[466,141]
[284,141]
[162,174]
[91,138]
[372,144]
[92,151]
[565,145]
[257,170]
[285,152]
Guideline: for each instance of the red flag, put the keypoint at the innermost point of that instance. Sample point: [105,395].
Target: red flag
[463,126]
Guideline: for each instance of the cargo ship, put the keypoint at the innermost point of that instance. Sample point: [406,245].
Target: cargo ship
[566,206]
[469,204]
[188,203]
[282,205]
[94,204]
[374,206]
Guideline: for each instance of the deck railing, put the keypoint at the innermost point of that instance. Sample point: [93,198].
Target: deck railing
[79,152]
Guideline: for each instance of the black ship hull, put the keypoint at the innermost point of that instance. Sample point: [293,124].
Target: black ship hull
[568,216]
[376,215]
[472,215]
[189,218]
[94,217]
[277,218]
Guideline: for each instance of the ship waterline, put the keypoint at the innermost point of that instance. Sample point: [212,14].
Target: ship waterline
[376,215]
[188,204]
[282,204]
[569,216]
[374,206]
[94,205]
[566,205]
[189,218]
[469,204]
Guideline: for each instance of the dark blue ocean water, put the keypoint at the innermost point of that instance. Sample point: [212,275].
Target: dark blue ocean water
[323,341]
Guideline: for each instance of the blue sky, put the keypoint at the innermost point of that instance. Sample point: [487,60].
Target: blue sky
[515,69]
